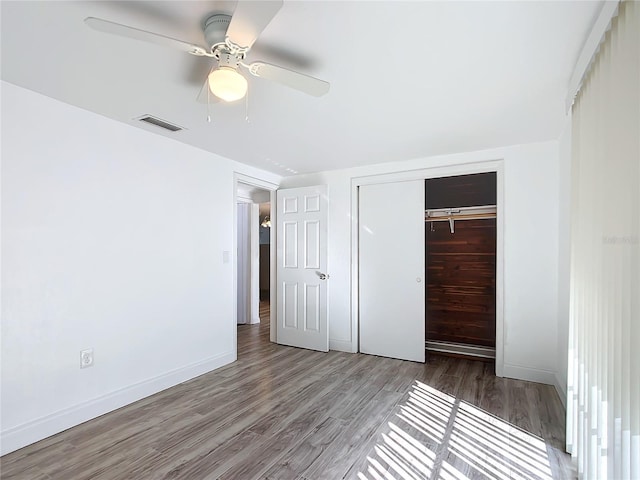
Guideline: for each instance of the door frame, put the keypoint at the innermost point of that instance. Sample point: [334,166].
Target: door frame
[495,165]
[242,179]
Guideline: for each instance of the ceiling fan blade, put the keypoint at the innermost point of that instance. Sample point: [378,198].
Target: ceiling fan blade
[130,32]
[299,81]
[249,20]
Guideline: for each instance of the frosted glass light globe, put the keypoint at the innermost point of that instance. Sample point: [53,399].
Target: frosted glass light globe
[227,84]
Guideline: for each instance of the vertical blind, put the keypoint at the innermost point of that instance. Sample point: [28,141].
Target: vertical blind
[603,407]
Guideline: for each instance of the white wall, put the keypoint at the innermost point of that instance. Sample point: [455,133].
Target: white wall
[112,239]
[243,261]
[254,264]
[531,191]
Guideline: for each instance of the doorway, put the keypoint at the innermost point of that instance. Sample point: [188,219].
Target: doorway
[253,262]
[253,237]
[264,261]
[460,254]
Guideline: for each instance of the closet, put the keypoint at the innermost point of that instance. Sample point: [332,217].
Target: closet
[427,267]
[460,265]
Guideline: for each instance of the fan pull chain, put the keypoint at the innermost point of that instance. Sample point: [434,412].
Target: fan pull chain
[208,104]
[246,107]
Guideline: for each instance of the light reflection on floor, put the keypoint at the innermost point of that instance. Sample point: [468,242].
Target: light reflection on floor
[436,436]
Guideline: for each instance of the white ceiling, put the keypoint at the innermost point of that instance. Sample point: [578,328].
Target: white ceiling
[408,79]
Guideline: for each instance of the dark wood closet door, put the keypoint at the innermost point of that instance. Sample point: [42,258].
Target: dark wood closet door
[461,287]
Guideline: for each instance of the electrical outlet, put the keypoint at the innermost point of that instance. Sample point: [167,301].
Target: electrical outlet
[86,358]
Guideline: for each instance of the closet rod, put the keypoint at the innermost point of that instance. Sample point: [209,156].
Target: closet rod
[470,216]
[460,213]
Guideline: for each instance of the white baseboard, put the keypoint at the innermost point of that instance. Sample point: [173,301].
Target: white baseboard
[340,345]
[530,374]
[562,391]
[27,433]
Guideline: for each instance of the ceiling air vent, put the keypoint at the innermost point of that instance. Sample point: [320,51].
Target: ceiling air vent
[160,123]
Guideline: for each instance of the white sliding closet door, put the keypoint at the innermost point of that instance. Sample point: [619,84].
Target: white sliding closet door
[391,263]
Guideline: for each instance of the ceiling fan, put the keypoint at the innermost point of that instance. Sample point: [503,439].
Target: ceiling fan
[229,39]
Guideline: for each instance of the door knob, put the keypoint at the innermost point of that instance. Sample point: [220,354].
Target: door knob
[323,276]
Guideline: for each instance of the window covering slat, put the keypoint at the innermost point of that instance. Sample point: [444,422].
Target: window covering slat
[603,405]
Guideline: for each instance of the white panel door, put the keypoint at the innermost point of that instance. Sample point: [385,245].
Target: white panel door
[302,268]
[392,270]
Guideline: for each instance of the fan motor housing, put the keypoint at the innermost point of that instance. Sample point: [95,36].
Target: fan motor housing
[215,30]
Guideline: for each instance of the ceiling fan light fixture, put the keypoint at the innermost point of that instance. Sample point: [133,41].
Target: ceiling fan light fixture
[227,84]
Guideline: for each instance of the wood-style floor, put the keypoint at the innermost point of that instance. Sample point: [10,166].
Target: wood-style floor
[286,413]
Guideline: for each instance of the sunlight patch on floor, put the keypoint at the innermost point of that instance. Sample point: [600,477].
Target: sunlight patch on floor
[433,435]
